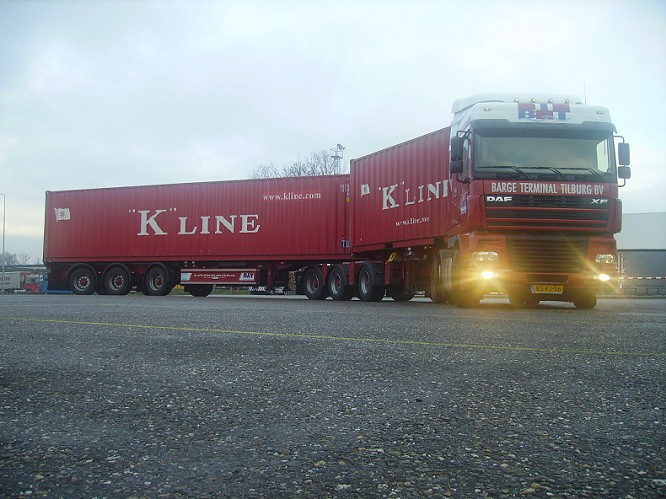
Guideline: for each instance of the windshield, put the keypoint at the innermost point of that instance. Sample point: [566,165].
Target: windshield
[544,155]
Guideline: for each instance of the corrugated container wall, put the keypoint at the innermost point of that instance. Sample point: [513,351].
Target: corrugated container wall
[272,219]
[399,194]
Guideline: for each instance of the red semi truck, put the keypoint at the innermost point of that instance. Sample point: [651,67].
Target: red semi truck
[519,195]
[22,282]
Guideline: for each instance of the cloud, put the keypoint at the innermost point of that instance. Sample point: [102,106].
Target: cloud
[96,94]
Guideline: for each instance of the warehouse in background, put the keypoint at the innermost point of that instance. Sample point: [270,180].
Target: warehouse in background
[641,249]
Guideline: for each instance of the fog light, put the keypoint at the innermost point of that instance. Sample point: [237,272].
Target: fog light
[485,256]
[605,258]
[603,277]
[487,274]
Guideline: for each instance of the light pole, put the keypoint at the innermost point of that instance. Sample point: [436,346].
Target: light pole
[4,210]
[336,154]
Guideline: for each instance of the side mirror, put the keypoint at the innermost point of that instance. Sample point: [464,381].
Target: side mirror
[456,165]
[623,155]
[624,172]
[456,148]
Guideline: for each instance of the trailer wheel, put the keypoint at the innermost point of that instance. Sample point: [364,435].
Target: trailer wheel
[586,300]
[117,281]
[157,281]
[338,286]
[83,281]
[199,290]
[366,290]
[313,284]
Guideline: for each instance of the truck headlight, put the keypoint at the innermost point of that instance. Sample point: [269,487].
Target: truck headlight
[487,274]
[605,258]
[485,256]
[602,277]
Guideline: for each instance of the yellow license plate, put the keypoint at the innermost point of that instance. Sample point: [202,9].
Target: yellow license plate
[549,289]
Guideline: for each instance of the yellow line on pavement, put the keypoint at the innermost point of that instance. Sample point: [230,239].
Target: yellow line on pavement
[385,341]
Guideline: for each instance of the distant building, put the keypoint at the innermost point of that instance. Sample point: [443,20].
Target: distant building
[641,248]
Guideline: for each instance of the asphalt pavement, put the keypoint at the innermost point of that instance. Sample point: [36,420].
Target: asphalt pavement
[234,396]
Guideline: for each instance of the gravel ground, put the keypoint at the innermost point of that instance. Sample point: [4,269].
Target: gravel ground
[281,397]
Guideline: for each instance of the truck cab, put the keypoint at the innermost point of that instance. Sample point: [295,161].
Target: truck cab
[533,203]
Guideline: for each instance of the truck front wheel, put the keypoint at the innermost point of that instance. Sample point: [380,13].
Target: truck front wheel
[465,296]
[586,300]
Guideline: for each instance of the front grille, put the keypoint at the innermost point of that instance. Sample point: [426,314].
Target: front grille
[547,211]
[547,254]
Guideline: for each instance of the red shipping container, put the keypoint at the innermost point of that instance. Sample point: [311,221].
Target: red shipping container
[301,218]
[399,194]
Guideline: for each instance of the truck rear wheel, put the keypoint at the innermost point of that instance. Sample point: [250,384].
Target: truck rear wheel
[366,290]
[157,281]
[117,281]
[83,281]
[338,285]
[313,284]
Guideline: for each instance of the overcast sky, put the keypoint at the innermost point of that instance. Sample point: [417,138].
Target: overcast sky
[111,93]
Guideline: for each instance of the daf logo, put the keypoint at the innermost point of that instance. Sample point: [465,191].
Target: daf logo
[499,199]
[599,201]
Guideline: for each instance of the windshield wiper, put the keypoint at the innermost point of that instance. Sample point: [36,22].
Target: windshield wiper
[574,171]
[506,167]
[595,173]
[558,172]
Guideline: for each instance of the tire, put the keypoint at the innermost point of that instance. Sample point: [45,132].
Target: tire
[338,285]
[117,281]
[437,292]
[199,290]
[520,298]
[366,290]
[400,291]
[401,296]
[313,284]
[517,299]
[463,298]
[157,281]
[83,281]
[586,300]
